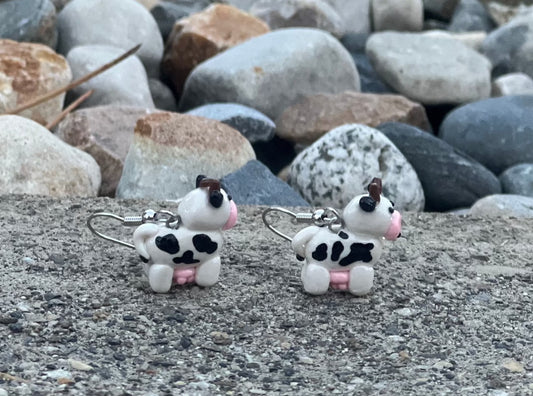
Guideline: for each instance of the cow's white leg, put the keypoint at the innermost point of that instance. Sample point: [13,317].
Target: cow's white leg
[315,278]
[208,272]
[160,277]
[361,280]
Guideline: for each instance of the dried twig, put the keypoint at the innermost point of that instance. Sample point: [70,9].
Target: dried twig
[73,84]
[68,109]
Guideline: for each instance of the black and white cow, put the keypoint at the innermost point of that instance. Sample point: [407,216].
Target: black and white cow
[190,253]
[343,259]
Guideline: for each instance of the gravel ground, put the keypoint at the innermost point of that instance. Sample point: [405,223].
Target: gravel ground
[451,312]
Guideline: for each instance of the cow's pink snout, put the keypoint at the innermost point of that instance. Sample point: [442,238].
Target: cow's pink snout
[232,220]
[395,227]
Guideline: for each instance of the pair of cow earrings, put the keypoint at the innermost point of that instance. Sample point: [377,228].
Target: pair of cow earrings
[338,251]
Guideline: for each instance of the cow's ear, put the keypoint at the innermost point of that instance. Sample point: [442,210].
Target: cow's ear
[368,204]
[216,198]
[199,178]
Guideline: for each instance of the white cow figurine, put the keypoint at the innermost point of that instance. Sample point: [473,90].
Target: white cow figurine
[190,253]
[343,259]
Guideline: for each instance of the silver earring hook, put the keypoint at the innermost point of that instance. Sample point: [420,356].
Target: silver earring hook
[329,217]
[149,216]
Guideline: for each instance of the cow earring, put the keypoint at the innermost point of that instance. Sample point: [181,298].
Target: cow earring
[339,251]
[183,247]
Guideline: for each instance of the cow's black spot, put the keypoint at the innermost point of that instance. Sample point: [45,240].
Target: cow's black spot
[144,259]
[321,252]
[343,235]
[203,243]
[336,251]
[367,204]
[299,258]
[168,243]
[391,210]
[358,252]
[216,198]
[187,258]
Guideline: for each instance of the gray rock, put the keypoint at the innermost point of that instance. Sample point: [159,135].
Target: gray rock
[124,84]
[34,161]
[166,14]
[254,184]
[429,70]
[162,95]
[244,5]
[170,150]
[503,11]
[508,47]
[119,23]
[470,15]
[512,84]
[273,71]
[254,125]
[354,13]
[299,13]
[105,132]
[497,132]
[406,15]
[442,9]
[450,179]
[60,4]
[29,21]
[503,205]
[518,180]
[341,164]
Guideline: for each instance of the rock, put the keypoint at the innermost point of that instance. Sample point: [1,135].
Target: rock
[3,392]
[148,4]
[28,71]
[254,184]
[162,95]
[60,4]
[254,125]
[503,11]
[450,179]
[267,76]
[203,35]
[370,81]
[518,180]
[166,14]
[406,15]
[124,84]
[341,164]
[470,15]
[78,365]
[34,161]
[106,133]
[508,47]
[503,205]
[119,23]
[244,5]
[497,132]
[299,13]
[512,84]
[315,115]
[442,9]
[355,14]
[169,150]
[29,21]
[429,70]
[512,365]
[470,39]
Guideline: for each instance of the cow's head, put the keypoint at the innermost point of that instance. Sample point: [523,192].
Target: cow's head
[208,207]
[373,214]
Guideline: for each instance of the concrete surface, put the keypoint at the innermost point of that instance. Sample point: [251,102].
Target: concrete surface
[451,313]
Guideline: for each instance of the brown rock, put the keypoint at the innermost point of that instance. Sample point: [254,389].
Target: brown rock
[106,133]
[203,35]
[27,71]
[308,120]
[169,150]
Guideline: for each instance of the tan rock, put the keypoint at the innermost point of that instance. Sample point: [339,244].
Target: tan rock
[169,150]
[308,120]
[105,132]
[34,161]
[203,35]
[27,71]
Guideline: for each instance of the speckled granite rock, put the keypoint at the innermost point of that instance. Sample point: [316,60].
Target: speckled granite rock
[44,72]
[518,180]
[503,205]
[169,150]
[341,164]
[34,161]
